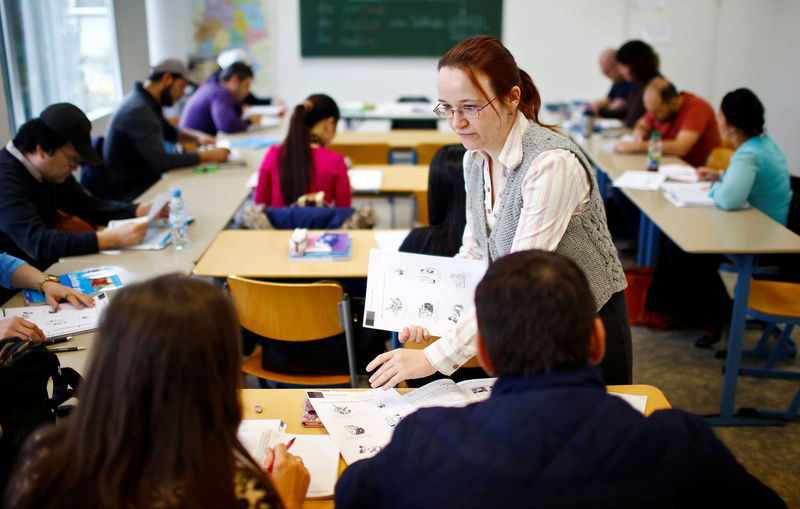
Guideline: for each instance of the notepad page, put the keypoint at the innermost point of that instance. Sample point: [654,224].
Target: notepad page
[67,321]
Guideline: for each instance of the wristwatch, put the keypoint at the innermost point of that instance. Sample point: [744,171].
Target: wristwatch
[45,279]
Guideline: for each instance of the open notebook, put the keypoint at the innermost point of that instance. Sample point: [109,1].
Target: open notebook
[67,321]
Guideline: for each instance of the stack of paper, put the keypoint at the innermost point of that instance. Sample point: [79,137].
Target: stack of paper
[679,172]
[684,194]
[67,321]
[645,180]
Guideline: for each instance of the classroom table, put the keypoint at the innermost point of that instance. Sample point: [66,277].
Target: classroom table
[398,138]
[396,180]
[287,405]
[740,235]
[388,111]
[265,254]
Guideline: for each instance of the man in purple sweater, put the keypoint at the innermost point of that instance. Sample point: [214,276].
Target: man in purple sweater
[217,104]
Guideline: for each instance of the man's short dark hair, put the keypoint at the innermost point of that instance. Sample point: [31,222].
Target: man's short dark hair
[669,92]
[35,133]
[157,75]
[238,69]
[535,313]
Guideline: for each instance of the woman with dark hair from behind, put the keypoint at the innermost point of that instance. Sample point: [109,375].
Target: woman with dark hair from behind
[639,64]
[447,205]
[157,420]
[302,164]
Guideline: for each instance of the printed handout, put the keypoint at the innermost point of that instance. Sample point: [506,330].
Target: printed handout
[410,289]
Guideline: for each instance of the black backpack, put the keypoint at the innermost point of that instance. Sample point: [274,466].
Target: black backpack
[26,367]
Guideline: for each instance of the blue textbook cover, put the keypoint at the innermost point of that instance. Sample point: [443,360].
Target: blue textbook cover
[89,281]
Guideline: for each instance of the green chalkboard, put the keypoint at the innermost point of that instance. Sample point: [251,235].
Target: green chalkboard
[401,28]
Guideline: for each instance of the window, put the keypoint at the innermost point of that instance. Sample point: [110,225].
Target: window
[60,51]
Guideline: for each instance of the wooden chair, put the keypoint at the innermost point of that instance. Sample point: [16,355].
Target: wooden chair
[425,152]
[720,158]
[367,153]
[294,312]
[421,199]
[775,302]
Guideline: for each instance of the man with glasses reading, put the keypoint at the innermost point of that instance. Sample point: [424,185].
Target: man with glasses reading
[36,181]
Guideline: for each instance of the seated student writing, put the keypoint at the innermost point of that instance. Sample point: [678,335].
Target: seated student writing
[757,173]
[549,435]
[15,273]
[36,181]
[302,164]
[158,414]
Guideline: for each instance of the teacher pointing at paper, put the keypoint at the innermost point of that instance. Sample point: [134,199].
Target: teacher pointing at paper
[528,187]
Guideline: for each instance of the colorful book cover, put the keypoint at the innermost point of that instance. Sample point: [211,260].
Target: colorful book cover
[310,418]
[89,281]
[325,246]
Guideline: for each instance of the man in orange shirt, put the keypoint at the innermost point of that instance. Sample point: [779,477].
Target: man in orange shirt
[687,124]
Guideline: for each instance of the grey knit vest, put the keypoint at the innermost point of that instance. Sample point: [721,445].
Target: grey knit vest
[586,240]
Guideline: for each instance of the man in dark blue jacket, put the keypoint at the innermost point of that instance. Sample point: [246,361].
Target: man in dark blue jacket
[549,435]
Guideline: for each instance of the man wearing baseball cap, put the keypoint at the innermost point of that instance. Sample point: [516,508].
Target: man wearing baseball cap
[36,180]
[134,149]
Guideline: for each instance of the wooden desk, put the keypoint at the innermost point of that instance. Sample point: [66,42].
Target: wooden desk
[265,253]
[400,138]
[740,235]
[397,178]
[287,404]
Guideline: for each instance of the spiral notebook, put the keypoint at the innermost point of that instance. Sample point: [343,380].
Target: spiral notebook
[67,321]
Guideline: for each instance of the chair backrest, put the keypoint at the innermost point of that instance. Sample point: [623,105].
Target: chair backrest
[720,158]
[94,178]
[421,198]
[287,312]
[425,151]
[320,218]
[367,153]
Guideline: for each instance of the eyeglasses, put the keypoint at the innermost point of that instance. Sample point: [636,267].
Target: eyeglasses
[446,112]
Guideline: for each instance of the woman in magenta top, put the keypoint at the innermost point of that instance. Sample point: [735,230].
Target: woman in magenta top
[302,164]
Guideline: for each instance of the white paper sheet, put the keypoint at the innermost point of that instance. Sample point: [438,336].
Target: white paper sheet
[445,392]
[645,180]
[638,402]
[158,203]
[409,289]
[156,238]
[390,240]
[679,172]
[365,180]
[360,423]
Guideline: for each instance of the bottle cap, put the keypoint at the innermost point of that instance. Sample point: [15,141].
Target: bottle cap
[655,133]
[176,192]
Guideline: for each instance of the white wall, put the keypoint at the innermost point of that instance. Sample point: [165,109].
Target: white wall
[714,46]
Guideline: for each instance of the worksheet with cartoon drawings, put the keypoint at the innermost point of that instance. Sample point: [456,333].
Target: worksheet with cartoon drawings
[411,289]
[360,423]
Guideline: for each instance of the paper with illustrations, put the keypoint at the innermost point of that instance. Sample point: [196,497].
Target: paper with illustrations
[445,392]
[410,289]
[360,423]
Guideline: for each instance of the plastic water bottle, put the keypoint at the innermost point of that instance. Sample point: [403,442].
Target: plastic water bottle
[654,151]
[178,217]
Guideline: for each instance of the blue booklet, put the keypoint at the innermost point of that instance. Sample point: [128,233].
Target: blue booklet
[89,281]
[325,246]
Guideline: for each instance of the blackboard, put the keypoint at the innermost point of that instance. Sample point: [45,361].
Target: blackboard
[337,28]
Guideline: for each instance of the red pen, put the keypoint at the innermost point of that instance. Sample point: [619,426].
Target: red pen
[271,463]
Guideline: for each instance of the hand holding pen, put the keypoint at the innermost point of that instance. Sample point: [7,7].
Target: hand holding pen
[289,475]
